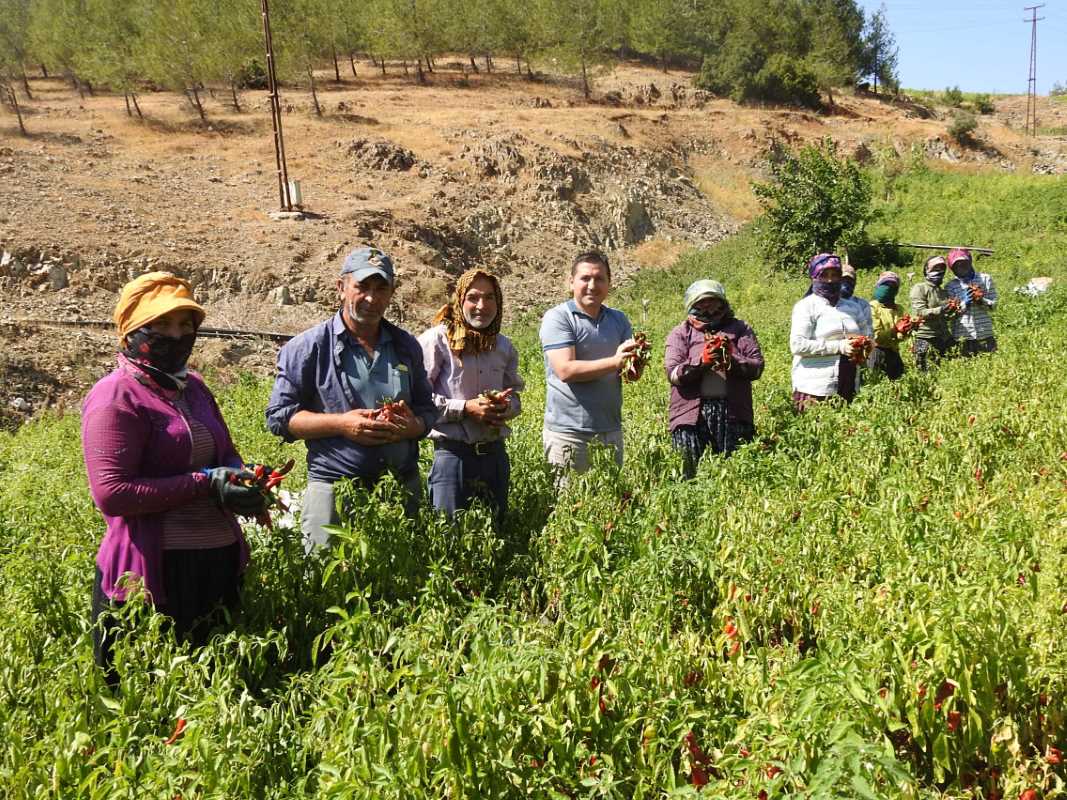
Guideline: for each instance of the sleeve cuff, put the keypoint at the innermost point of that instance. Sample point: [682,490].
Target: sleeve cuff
[454,409]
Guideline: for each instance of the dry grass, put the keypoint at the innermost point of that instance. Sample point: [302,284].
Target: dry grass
[728,186]
[657,253]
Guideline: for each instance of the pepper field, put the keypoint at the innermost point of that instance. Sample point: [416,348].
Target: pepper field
[866,602]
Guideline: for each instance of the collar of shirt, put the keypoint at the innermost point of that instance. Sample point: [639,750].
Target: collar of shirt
[573,308]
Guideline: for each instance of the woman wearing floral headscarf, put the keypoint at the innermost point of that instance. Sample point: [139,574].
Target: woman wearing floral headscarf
[474,372]
[820,338]
[888,331]
[712,359]
[161,462]
[931,302]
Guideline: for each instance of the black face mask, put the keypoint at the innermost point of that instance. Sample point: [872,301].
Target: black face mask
[161,352]
[706,317]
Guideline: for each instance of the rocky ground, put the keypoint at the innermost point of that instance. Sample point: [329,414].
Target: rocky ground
[491,170]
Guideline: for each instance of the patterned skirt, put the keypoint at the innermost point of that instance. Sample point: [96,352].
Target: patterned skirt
[713,430]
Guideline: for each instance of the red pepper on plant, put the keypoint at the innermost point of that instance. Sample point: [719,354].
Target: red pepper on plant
[179,729]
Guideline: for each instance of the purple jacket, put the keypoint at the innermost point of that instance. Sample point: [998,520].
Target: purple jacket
[685,344]
[137,447]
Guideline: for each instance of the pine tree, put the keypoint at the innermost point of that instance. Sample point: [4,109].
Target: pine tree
[56,33]
[880,53]
[177,44]
[302,40]
[580,34]
[112,52]
[16,42]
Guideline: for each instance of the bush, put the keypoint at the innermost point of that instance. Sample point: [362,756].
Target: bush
[747,75]
[813,203]
[963,126]
[983,104]
[1058,89]
[783,80]
[253,75]
[953,97]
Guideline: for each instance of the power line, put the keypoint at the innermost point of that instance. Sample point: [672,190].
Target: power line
[1031,86]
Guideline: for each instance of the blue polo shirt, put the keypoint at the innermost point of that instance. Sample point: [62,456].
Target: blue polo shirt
[590,406]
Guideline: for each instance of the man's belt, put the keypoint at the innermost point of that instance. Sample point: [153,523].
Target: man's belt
[469,448]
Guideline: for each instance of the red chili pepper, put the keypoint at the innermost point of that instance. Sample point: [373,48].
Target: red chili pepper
[179,728]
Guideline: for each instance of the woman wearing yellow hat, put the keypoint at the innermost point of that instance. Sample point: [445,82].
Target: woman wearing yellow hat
[160,460]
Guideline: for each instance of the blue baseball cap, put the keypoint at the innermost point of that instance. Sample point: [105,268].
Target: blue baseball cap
[366,261]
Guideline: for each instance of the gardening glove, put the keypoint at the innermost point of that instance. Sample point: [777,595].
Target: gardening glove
[231,494]
[707,358]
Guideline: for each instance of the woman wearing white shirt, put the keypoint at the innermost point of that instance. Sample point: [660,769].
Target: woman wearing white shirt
[820,338]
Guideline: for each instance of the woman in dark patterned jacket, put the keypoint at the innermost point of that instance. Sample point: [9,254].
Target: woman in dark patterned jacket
[711,360]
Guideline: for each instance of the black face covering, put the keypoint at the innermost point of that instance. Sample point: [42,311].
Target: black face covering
[158,351]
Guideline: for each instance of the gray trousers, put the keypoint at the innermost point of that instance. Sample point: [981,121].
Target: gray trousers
[319,509]
[571,450]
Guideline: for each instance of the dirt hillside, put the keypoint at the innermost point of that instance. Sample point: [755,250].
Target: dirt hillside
[482,169]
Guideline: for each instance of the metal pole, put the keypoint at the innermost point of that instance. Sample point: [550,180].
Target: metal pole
[276,114]
[988,251]
[1031,86]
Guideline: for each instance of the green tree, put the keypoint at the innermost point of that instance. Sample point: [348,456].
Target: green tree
[178,44]
[759,56]
[234,40]
[580,35]
[416,28]
[57,34]
[302,40]
[835,46]
[663,29]
[880,53]
[516,33]
[113,51]
[814,202]
[15,40]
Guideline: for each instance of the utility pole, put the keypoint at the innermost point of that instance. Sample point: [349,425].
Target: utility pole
[284,197]
[1031,87]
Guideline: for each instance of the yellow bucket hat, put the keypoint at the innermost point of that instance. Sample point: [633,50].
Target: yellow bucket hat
[149,297]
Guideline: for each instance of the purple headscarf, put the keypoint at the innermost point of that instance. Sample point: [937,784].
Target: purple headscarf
[822,262]
[830,291]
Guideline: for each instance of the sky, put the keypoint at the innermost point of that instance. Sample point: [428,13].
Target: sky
[978,45]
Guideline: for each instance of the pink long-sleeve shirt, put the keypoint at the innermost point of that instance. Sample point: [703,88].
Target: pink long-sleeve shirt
[137,449]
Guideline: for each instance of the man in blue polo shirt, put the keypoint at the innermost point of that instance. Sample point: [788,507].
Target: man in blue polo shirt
[331,384]
[585,345]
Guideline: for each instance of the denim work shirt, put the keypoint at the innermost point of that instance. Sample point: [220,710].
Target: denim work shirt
[325,371]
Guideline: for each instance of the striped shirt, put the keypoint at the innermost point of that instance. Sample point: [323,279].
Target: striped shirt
[199,524]
[975,322]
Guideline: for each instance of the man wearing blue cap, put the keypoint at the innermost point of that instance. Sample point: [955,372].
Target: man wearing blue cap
[333,385]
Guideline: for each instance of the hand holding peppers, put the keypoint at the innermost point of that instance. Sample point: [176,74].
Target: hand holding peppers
[637,358]
[716,352]
[234,491]
[861,348]
[249,492]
